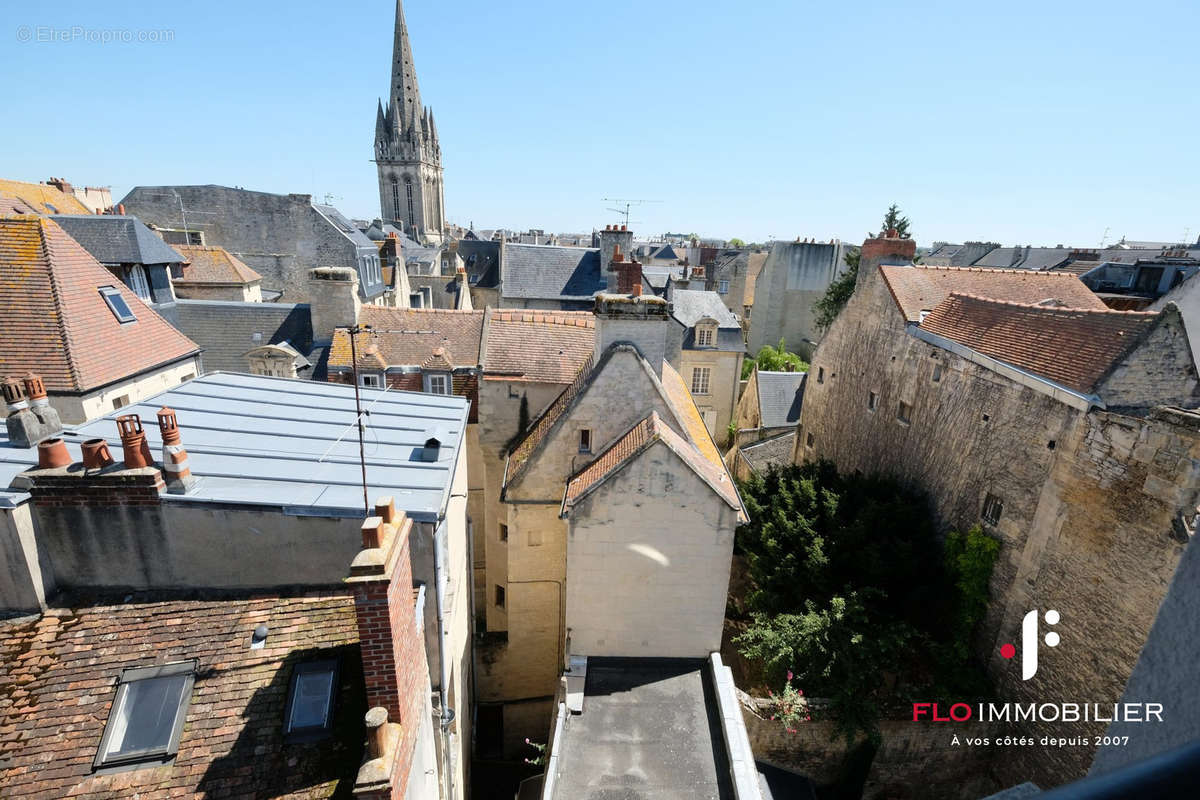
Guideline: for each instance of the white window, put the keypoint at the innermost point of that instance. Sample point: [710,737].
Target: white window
[704,336]
[147,714]
[723,287]
[700,376]
[427,296]
[116,304]
[371,381]
[310,698]
[138,282]
[438,384]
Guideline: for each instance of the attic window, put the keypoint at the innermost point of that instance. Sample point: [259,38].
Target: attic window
[310,699]
[147,714]
[116,304]
[704,336]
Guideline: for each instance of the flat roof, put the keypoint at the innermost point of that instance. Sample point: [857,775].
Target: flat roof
[650,728]
[258,440]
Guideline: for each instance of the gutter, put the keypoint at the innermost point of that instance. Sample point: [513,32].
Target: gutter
[447,714]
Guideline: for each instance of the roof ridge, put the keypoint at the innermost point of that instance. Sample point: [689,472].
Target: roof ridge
[1001,270]
[1039,307]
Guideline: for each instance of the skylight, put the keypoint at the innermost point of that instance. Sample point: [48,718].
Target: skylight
[310,698]
[147,714]
[117,304]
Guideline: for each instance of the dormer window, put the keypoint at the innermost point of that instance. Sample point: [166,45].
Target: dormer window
[705,336]
[437,383]
[116,304]
[147,714]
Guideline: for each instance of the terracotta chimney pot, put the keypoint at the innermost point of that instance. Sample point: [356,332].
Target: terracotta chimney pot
[52,453]
[96,454]
[36,390]
[133,442]
[636,290]
[174,458]
[14,395]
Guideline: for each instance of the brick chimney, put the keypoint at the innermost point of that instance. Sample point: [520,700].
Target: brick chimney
[612,239]
[178,476]
[887,248]
[629,273]
[393,654]
[333,300]
[30,415]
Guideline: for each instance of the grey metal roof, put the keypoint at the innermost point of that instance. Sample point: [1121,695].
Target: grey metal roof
[227,330]
[257,440]
[1035,258]
[113,239]
[539,271]
[779,398]
[481,259]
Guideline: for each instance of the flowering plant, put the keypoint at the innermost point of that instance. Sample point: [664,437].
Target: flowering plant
[540,758]
[790,706]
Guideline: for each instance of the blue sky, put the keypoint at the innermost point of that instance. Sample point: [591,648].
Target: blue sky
[1024,123]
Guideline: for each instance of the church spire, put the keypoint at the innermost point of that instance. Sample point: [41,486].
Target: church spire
[405,93]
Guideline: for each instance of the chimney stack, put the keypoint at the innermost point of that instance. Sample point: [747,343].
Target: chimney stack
[133,442]
[30,416]
[333,300]
[179,478]
[613,240]
[888,248]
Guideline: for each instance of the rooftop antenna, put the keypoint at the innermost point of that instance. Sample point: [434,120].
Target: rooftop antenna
[1104,238]
[358,414]
[627,203]
[330,197]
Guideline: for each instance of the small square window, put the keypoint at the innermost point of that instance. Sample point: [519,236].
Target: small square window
[820,374]
[585,440]
[147,714]
[499,597]
[310,699]
[116,304]
[503,532]
[904,412]
[439,384]
[121,402]
[993,507]
[370,381]
[872,401]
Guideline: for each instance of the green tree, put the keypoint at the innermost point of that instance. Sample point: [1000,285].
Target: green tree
[838,294]
[893,219]
[735,242]
[774,359]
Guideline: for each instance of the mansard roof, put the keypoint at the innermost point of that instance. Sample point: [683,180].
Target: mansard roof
[539,271]
[917,288]
[113,239]
[1074,347]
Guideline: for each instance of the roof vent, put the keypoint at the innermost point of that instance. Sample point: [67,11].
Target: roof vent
[432,448]
[259,638]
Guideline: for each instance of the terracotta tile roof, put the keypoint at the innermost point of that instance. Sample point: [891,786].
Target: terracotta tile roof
[58,676]
[545,346]
[918,288]
[641,436]
[45,199]
[15,205]
[1070,346]
[406,337]
[213,265]
[57,322]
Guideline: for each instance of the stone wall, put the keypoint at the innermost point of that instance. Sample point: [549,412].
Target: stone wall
[725,372]
[1089,500]
[795,275]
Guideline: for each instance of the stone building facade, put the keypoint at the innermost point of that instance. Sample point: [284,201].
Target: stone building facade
[407,152]
[794,276]
[1017,401]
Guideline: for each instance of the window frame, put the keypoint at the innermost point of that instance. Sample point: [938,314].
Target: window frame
[138,281]
[311,732]
[993,509]
[363,377]
[444,377]
[723,287]
[872,401]
[130,675]
[503,532]
[585,440]
[901,417]
[111,293]
[705,387]
[706,336]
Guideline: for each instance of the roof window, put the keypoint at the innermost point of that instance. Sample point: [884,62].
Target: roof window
[116,304]
[310,698]
[147,714]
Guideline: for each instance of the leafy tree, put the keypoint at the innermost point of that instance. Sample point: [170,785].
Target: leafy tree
[893,219]
[735,242]
[855,592]
[774,359]
[838,293]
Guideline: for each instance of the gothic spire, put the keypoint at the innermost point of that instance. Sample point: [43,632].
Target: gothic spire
[405,93]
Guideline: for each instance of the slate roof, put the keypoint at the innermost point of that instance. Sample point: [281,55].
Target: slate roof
[1072,347]
[689,306]
[213,265]
[227,330]
[549,272]
[117,239]
[961,255]
[779,397]
[45,199]
[482,259]
[543,346]
[665,252]
[57,322]
[406,337]
[641,436]
[917,288]
[58,676]
[773,452]
[1033,258]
